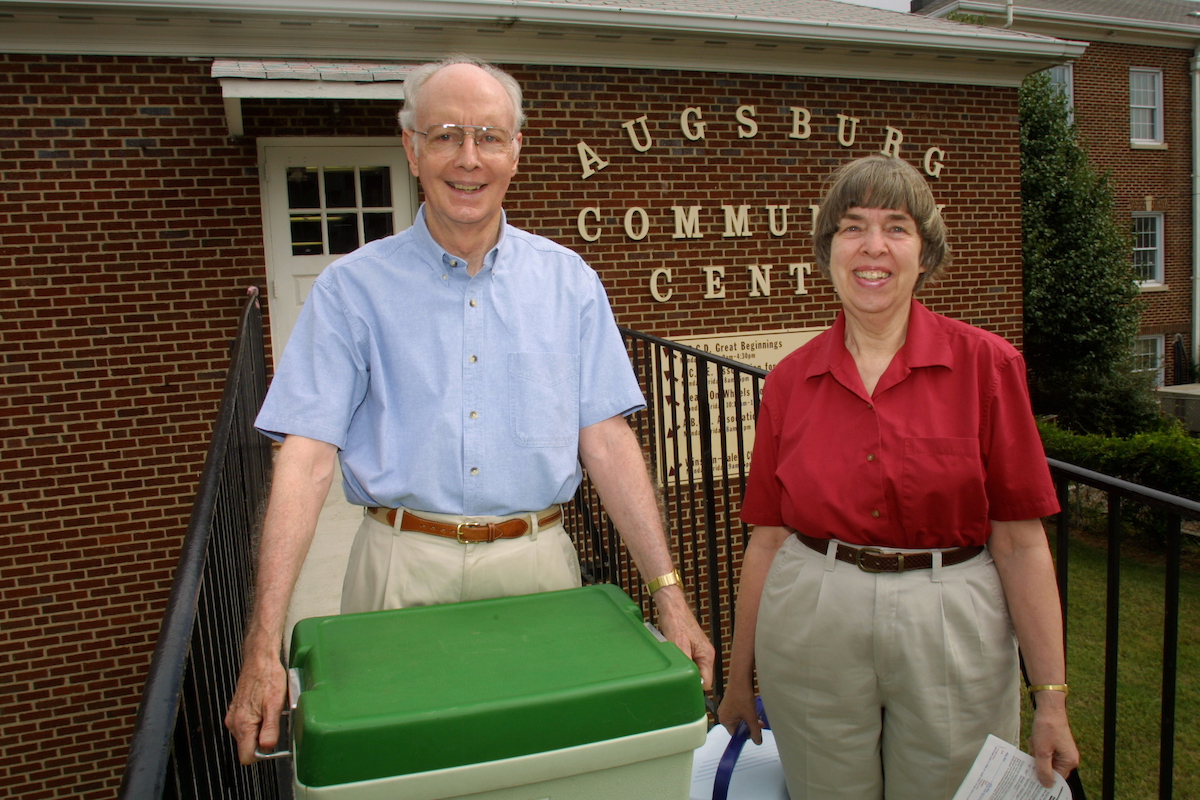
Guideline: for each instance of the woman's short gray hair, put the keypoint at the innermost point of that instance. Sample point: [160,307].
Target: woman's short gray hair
[416,79]
[879,181]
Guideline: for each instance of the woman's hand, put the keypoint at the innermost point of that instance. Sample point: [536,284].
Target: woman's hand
[1027,574]
[738,706]
[738,703]
[1050,741]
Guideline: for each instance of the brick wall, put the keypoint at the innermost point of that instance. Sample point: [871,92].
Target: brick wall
[130,227]
[1101,80]
[980,185]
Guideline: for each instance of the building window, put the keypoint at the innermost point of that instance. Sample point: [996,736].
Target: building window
[1148,357]
[1148,249]
[1145,106]
[1062,78]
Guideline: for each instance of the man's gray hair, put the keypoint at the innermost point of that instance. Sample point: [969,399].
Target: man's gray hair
[416,79]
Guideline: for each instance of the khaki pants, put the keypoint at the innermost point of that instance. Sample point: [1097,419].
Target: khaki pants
[883,685]
[390,568]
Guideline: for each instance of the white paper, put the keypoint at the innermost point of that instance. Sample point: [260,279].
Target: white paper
[1002,772]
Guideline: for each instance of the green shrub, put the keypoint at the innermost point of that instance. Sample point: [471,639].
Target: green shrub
[1167,459]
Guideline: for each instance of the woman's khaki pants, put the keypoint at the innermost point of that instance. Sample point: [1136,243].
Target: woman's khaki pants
[883,685]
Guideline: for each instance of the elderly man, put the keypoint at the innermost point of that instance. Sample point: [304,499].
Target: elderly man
[461,370]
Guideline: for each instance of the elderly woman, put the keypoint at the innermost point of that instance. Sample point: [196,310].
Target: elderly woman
[895,493]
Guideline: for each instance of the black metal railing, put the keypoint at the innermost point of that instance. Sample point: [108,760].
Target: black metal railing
[696,432]
[689,390]
[701,476]
[1175,509]
[180,747]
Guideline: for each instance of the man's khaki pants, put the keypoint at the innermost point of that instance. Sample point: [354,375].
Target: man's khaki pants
[390,568]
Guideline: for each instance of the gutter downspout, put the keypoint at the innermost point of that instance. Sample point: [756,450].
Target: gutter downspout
[1008,13]
[1195,75]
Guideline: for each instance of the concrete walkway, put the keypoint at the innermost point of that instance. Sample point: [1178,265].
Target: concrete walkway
[318,591]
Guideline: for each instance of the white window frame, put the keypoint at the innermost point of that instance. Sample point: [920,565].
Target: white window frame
[1156,249]
[1149,356]
[1157,139]
[1062,78]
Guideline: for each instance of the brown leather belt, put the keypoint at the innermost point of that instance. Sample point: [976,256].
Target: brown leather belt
[872,559]
[465,532]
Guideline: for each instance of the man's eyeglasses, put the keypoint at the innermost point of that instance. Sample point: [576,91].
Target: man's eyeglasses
[447,138]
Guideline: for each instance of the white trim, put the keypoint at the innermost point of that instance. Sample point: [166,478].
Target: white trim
[1158,278]
[282,80]
[1070,25]
[311,90]
[1159,355]
[885,46]
[1194,82]
[1067,86]
[1156,108]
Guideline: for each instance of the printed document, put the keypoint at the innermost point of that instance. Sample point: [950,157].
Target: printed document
[1002,772]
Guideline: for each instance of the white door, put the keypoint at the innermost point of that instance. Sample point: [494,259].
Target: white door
[323,198]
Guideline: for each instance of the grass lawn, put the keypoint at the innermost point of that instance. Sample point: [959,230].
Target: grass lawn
[1139,691]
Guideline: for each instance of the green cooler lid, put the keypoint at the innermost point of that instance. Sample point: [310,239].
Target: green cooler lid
[394,692]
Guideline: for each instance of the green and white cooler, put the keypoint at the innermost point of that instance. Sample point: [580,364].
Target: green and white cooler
[555,696]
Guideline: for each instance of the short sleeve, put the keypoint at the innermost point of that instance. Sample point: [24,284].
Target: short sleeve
[761,503]
[1018,481]
[322,377]
[608,386]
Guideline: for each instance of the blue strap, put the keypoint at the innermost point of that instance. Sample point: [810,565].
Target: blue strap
[732,751]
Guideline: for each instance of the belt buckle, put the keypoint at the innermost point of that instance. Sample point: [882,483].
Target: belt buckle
[458,531]
[858,558]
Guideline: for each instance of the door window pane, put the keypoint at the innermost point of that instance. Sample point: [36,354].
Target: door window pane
[376,226]
[339,187]
[306,235]
[303,188]
[376,187]
[343,233]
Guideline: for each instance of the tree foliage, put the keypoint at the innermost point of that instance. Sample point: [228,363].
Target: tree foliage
[1082,305]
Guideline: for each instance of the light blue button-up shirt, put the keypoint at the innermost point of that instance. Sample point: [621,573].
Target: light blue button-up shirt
[451,393]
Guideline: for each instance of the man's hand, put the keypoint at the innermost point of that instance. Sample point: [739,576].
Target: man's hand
[303,472]
[254,712]
[678,624]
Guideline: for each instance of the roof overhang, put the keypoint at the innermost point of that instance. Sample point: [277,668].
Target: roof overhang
[887,46]
[337,80]
[1075,25]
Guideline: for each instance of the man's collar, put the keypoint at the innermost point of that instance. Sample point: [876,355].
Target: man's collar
[445,257]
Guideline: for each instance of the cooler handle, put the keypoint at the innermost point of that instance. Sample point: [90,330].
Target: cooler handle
[293,684]
[733,750]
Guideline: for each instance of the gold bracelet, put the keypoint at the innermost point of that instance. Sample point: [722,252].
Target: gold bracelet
[670,579]
[1051,687]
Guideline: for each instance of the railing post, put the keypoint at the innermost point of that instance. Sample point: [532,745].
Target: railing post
[710,509]
[1111,650]
[1061,546]
[1166,760]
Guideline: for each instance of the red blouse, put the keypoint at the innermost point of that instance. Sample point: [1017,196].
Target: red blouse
[946,443]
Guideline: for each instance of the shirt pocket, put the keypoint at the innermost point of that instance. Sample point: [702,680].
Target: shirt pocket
[942,486]
[543,399]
